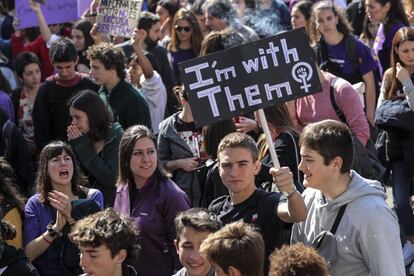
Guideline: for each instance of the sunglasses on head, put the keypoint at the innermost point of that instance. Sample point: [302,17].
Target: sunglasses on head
[182,29]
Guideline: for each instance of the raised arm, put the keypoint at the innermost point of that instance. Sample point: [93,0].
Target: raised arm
[295,209]
[137,40]
[44,28]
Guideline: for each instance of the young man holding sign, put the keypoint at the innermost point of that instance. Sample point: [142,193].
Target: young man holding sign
[367,238]
[270,212]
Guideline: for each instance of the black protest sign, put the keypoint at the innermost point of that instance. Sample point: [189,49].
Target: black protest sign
[248,77]
[118,17]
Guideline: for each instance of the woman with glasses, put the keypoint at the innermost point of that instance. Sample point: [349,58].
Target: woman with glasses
[185,41]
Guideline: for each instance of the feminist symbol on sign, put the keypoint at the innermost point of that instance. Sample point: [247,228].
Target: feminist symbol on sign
[302,72]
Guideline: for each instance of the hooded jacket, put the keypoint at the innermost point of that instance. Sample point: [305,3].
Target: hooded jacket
[16,262]
[368,235]
[172,147]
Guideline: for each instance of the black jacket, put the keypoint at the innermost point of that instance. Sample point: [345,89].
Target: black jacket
[17,154]
[16,262]
[396,118]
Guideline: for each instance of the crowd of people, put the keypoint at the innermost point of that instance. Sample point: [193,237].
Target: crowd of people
[104,171]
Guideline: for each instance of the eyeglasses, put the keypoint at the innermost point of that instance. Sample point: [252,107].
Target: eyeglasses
[182,29]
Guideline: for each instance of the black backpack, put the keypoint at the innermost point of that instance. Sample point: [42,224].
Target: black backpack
[365,159]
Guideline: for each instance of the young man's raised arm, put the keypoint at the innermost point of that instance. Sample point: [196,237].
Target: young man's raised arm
[295,209]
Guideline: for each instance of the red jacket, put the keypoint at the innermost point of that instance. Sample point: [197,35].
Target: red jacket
[38,47]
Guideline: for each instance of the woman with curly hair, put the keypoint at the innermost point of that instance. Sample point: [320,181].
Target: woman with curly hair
[332,33]
[48,212]
[186,38]
[11,202]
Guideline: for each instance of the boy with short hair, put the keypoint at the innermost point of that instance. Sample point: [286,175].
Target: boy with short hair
[50,111]
[237,249]
[106,241]
[108,70]
[193,226]
[270,212]
[368,235]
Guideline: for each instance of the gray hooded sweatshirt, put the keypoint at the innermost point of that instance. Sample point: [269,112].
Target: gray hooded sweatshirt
[368,236]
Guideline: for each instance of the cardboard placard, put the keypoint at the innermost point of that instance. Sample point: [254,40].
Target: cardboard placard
[118,17]
[249,77]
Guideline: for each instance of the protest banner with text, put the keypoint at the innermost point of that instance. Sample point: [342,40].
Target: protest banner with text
[118,17]
[54,11]
[250,77]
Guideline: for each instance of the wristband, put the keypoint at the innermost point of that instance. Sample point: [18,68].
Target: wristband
[46,240]
[287,195]
[52,232]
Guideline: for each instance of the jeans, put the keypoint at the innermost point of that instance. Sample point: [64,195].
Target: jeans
[401,192]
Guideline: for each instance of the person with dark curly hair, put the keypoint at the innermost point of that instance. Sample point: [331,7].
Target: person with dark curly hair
[107,240]
[13,261]
[297,259]
[11,202]
[108,69]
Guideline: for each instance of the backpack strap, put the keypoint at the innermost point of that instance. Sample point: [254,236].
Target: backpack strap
[338,218]
[351,49]
[338,111]
[6,137]
[335,224]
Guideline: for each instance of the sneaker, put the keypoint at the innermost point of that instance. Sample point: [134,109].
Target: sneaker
[408,253]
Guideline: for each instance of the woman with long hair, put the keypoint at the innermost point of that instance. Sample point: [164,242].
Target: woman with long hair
[332,33]
[146,194]
[94,137]
[186,39]
[48,212]
[398,85]
[82,40]
[301,14]
[392,16]
[285,140]
[11,202]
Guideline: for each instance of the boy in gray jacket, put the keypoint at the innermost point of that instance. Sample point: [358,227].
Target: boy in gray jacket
[367,238]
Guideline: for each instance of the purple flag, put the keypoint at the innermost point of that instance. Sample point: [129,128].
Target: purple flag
[55,11]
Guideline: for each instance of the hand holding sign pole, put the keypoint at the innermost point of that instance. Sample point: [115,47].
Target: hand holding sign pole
[271,71]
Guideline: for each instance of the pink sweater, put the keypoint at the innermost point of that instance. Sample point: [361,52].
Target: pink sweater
[318,107]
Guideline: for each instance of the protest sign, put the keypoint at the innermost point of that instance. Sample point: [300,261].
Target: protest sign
[118,17]
[83,5]
[54,11]
[250,77]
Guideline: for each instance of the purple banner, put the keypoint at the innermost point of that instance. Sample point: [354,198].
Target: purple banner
[55,11]
[83,5]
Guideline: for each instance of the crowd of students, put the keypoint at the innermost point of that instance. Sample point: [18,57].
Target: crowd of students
[103,170]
